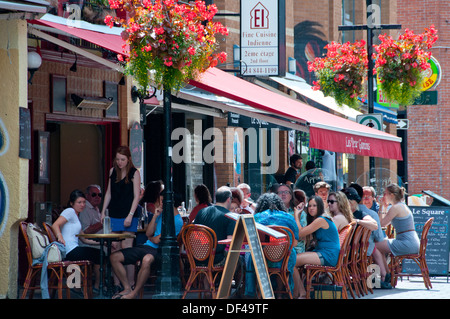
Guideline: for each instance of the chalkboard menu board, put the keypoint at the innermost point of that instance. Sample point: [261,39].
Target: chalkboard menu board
[437,254]
[259,260]
[247,228]
[25,133]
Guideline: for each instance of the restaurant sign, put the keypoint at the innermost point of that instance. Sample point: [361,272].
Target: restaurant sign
[260,38]
[432,75]
[432,78]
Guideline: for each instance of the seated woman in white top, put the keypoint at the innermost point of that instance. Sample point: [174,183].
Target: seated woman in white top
[67,226]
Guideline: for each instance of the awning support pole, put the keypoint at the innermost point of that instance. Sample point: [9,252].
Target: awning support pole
[168,283]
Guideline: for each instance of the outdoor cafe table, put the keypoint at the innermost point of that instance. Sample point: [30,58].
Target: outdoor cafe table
[108,239]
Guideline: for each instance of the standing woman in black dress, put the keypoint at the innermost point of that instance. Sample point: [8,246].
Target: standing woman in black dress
[122,196]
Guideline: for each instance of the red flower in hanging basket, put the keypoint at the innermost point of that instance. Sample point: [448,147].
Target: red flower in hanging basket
[400,64]
[341,72]
[170,42]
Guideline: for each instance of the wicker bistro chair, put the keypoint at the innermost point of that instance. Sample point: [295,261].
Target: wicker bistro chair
[200,243]
[338,273]
[85,267]
[184,262]
[364,260]
[56,270]
[354,261]
[346,262]
[280,253]
[419,259]
[390,231]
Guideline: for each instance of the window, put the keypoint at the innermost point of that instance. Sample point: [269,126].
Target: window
[348,18]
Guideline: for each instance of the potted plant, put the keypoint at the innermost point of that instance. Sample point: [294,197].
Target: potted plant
[170,43]
[400,64]
[342,72]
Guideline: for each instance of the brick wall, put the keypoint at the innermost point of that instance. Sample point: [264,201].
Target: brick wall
[224,170]
[429,131]
[87,81]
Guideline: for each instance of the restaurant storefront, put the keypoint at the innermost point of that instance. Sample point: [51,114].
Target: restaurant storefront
[80,110]
[80,140]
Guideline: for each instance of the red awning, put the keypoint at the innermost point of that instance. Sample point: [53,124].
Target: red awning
[327,131]
[112,42]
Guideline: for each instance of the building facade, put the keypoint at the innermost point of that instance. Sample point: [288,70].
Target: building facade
[428,133]
[72,147]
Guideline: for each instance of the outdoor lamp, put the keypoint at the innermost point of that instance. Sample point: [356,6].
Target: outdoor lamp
[34,63]
[73,68]
[292,65]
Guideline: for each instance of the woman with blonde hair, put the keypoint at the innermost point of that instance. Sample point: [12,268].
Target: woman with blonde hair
[340,209]
[400,216]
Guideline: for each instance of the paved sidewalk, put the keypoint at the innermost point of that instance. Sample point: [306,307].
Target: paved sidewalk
[414,288]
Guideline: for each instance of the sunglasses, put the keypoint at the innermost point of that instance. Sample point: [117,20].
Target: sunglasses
[95,195]
[330,201]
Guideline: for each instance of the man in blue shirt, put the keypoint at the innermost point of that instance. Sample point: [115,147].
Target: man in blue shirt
[146,253]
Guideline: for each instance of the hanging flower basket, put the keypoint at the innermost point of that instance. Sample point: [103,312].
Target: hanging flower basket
[342,72]
[170,43]
[400,64]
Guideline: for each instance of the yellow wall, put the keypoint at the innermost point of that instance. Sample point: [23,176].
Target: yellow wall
[13,170]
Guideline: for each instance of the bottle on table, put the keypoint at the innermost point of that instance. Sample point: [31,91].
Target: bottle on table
[183,209]
[106,223]
[189,207]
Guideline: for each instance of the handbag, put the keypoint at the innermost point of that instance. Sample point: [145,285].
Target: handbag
[38,240]
[54,254]
[327,292]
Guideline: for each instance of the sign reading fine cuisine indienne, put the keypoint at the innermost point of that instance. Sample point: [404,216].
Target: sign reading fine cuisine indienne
[259,37]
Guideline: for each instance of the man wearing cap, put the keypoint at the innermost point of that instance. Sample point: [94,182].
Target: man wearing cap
[376,236]
[361,218]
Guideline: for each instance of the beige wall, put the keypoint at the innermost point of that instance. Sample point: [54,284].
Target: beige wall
[13,170]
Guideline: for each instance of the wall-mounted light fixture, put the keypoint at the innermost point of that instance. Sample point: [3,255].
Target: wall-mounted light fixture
[85,102]
[34,63]
[136,94]
[73,68]
[292,65]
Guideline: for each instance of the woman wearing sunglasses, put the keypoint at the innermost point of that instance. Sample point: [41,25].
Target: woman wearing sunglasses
[340,209]
[326,252]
